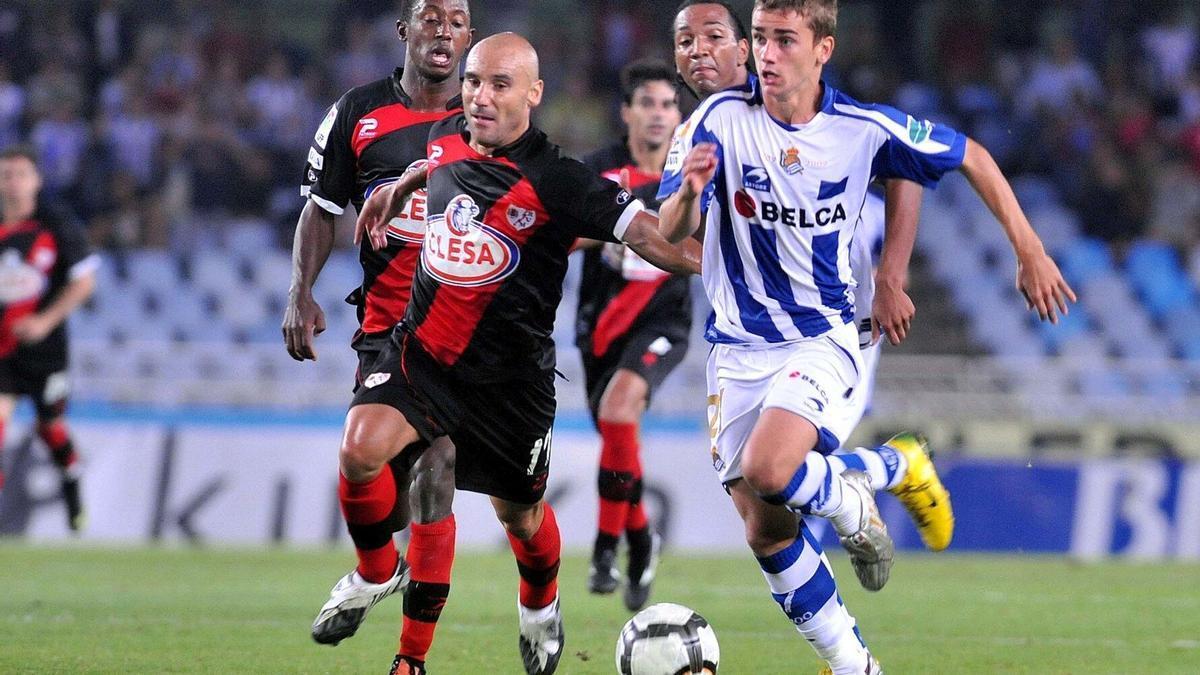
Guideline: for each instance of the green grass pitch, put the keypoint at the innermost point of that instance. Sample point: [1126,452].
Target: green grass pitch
[74,609]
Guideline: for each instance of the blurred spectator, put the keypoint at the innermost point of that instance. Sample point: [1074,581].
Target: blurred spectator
[1110,202]
[54,88]
[134,136]
[278,103]
[12,107]
[1060,80]
[61,139]
[1172,45]
[1175,211]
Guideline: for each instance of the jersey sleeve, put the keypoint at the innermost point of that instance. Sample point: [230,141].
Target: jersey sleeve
[916,150]
[75,257]
[329,174]
[592,206]
[697,129]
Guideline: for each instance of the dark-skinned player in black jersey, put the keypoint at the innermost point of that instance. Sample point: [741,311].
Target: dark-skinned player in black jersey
[632,330]
[473,357]
[370,137]
[46,272]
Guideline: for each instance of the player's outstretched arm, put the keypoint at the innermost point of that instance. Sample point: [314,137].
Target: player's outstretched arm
[644,237]
[892,310]
[384,204]
[34,328]
[1038,277]
[679,215]
[303,319]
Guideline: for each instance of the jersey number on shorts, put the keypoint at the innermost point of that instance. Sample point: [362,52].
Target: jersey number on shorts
[542,446]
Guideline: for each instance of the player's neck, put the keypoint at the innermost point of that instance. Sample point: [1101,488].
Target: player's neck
[646,157]
[800,106]
[489,150]
[13,213]
[428,95]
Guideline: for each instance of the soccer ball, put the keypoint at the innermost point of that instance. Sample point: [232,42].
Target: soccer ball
[667,639]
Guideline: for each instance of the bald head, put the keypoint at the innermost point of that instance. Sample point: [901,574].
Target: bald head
[508,49]
[500,90]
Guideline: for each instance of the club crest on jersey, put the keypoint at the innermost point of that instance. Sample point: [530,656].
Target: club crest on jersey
[521,219]
[375,379]
[460,250]
[790,161]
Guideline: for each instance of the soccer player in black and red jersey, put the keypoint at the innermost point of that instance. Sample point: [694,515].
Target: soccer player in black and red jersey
[368,138]
[46,272]
[632,331]
[473,357]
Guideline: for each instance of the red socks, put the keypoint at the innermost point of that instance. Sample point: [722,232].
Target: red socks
[431,555]
[620,469]
[537,562]
[368,509]
[54,435]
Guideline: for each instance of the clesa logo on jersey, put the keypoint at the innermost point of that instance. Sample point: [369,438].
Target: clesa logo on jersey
[409,225]
[462,251]
[19,281]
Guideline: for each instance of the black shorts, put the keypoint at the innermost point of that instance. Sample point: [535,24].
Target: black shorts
[44,381]
[651,351]
[368,346]
[501,431]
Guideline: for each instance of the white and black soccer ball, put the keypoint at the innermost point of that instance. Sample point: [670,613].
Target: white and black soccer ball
[667,639]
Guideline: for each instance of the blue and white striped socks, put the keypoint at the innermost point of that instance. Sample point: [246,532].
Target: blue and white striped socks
[883,464]
[802,583]
[818,489]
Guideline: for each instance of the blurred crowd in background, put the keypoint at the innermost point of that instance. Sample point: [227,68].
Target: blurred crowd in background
[162,124]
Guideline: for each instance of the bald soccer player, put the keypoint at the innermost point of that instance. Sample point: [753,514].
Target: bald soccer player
[473,358]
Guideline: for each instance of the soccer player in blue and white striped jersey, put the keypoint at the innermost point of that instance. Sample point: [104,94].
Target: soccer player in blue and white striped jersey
[778,171]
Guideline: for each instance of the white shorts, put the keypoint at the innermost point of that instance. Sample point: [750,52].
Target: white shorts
[815,379]
[860,402]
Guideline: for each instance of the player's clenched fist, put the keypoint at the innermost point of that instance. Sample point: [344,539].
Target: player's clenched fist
[698,170]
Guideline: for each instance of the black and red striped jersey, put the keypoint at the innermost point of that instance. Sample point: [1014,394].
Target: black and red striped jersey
[367,139]
[500,229]
[38,258]
[619,292]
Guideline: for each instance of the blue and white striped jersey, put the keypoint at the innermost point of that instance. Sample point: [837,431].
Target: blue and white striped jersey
[782,209]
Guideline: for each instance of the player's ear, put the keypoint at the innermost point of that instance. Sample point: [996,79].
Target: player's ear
[625,114]
[402,30]
[534,97]
[825,49]
[743,52]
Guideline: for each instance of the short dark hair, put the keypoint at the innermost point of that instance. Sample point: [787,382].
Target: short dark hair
[821,14]
[20,151]
[639,72]
[739,28]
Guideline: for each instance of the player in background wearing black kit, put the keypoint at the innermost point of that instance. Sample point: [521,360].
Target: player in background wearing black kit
[46,272]
[369,137]
[632,331]
[473,357]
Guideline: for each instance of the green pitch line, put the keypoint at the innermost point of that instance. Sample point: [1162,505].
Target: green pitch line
[210,611]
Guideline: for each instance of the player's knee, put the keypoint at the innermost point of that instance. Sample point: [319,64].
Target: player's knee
[521,523]
[764,476]
[362,456]
[765,541]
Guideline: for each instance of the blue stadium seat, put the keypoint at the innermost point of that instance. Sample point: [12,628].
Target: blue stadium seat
[1072,325]
[1155,271]
[1084,259]
[152,269]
